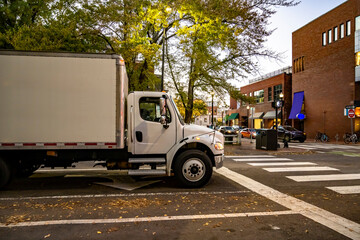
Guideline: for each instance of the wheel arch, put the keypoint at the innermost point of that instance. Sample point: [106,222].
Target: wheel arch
[194,146]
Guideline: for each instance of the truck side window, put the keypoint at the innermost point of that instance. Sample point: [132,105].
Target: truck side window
[150,109]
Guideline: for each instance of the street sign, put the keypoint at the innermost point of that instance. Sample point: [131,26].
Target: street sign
[351,113]
[350,107]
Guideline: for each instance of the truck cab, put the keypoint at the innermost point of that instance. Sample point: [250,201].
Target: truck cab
[157,130]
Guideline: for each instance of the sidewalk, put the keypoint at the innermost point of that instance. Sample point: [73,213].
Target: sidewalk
[248,147]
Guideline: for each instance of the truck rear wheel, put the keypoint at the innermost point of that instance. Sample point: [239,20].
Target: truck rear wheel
[5,173]
[193,169]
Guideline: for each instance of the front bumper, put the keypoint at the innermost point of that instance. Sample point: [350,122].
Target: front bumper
[219,161]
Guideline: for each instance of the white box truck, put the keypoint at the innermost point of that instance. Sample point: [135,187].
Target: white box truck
[61,108]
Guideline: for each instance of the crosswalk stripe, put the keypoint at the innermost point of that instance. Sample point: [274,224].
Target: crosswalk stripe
[330,177]
[300,169]
[261,159]
[267,164]
[346,189]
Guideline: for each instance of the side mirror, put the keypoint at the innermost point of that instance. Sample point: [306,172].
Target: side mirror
[163,120]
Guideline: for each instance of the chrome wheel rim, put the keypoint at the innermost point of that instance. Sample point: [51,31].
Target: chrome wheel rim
[193,169]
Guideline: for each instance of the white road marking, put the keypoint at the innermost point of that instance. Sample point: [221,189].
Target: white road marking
[261,159]
[337,223]
[122,195]
[72,170]
[281,164]
[346,189]
[145,219]
[301,169]
[253,156]
[330,177]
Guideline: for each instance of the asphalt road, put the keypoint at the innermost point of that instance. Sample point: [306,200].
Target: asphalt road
[255,196]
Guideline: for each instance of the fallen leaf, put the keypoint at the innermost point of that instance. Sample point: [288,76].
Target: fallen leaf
[46,236]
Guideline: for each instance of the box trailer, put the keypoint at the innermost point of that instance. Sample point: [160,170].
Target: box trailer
[61,108]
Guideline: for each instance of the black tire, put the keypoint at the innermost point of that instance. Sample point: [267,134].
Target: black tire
[193,169]
[5,173]
[301,140]
[347,140]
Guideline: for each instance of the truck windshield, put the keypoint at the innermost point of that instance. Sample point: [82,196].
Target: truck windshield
[177,111]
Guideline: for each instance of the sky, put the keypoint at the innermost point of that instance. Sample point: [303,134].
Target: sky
[286,21]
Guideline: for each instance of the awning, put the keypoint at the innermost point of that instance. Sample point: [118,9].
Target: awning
[257,115]
[297,104]
[226,117]
[271,115]
[233,116]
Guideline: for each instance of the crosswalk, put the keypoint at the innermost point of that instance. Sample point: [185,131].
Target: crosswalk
[275,164]
[327,146]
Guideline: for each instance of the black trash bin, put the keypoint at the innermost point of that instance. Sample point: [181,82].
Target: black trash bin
[266,139]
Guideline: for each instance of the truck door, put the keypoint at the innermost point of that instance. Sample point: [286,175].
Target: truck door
[150,136]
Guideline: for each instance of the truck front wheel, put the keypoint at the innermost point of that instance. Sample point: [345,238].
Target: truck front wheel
[5,173]
[193,169]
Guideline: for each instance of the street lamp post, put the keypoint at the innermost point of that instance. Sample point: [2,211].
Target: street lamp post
[212,109]
[164,40]
[247,108]
[278,104]
[163,59]
[282,105]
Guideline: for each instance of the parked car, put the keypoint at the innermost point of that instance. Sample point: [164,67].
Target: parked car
[227,130]
[238,128]
[289,133]
[248,133]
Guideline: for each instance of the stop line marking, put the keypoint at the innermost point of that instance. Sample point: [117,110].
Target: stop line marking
[145,219]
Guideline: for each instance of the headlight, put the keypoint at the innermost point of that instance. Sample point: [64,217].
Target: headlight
[237,131]
[228,131]
[219,146]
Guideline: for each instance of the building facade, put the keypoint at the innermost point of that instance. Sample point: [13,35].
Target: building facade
[326,71]
[266,90]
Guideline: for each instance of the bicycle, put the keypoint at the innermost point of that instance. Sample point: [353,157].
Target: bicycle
[348,138]
[321,137]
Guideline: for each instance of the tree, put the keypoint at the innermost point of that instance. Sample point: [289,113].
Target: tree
[217,42]
[208,43]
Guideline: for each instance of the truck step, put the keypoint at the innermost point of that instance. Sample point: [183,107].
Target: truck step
[146,160]
[140,172]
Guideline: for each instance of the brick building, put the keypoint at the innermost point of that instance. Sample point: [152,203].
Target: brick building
[266,90]
[326,71]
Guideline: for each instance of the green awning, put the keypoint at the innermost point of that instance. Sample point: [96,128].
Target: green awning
[233,116]
[226,117]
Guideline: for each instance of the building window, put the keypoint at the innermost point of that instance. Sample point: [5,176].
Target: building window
[348,28]
[259,95]
[357,37]
[324,39]
[299,64]
[335,34]
[342,30]
[270,94]
[357,59]
[330,36]
[277,91]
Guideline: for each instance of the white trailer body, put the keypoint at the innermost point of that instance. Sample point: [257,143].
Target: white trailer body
[60,108]
[60,99]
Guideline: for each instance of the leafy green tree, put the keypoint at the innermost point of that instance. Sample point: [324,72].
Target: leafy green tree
[217,41]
